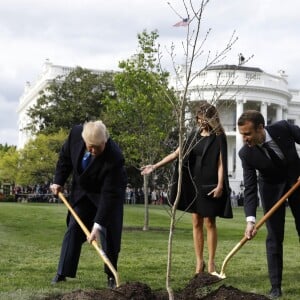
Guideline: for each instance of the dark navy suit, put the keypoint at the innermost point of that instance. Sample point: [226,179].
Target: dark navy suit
[273,183]
[97,195]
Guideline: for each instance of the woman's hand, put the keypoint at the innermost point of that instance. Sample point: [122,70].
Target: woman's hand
[216,192]
[147,169]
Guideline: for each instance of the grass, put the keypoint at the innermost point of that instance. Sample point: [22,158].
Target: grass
[31,235]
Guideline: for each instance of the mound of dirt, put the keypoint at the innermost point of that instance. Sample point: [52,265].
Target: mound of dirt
[200,287]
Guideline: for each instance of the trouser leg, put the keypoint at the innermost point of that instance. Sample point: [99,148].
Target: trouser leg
[270,194]
[111,244]
[294,204]
[74,238]
[71,249]
[274,246]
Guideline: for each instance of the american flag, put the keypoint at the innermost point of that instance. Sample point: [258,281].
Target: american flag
[184,22]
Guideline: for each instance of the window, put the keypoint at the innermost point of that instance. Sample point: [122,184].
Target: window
[291,121]
[252,76]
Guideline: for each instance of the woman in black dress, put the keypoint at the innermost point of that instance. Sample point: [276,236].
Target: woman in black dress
[205,188]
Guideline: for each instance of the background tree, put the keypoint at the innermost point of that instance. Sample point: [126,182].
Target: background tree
[4,148]
[69,100]
[8,164]
[141,117]
[37,160]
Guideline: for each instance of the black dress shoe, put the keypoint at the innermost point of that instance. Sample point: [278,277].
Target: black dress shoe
[275,293]
[58,278]
[111,283]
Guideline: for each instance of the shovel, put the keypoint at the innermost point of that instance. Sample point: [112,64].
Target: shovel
[257,226]
[94,243]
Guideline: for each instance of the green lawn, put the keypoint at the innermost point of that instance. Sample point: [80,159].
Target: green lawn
[31,235]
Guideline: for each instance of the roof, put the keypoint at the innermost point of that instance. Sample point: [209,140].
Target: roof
[234,67]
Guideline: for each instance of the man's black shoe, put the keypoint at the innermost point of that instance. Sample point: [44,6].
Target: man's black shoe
[275,293]
[111,283]
[58,278]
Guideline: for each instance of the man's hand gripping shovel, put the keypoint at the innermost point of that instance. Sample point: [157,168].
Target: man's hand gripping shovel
[94,243]
[258,225]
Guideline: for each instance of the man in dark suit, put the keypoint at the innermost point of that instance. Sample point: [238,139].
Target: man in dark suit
[276,174]
[97,194]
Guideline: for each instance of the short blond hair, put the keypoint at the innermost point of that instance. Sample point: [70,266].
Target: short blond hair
[95,133]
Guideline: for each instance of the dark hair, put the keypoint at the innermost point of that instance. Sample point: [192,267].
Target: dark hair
[210,114]
[252,116]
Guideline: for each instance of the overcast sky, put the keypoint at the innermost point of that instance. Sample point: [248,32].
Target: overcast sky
[98,34]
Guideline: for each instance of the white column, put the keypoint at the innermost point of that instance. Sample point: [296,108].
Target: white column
[279,113]
[238,141]
[239,108]
[264,111]
[284,114]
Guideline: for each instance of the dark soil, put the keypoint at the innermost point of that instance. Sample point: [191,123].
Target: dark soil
[200,287]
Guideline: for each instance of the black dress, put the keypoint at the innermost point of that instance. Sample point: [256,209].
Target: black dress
[205,179]
[200,176]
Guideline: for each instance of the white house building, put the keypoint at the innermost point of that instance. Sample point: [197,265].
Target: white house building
[231,88]
[234,89]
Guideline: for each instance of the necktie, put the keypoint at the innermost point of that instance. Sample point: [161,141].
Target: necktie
[86,160]
[274,157]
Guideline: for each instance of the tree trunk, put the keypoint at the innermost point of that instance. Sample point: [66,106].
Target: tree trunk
[146,218]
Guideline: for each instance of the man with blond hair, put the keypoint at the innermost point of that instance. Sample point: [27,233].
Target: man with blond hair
[97,194]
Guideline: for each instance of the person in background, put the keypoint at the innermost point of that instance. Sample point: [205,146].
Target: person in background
[276,175]
[97,195]
[205,186]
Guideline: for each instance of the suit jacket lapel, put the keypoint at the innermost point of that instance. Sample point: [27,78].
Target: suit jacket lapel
[80,149]
[278,140]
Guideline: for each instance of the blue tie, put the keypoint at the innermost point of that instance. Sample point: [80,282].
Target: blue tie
[86,160]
